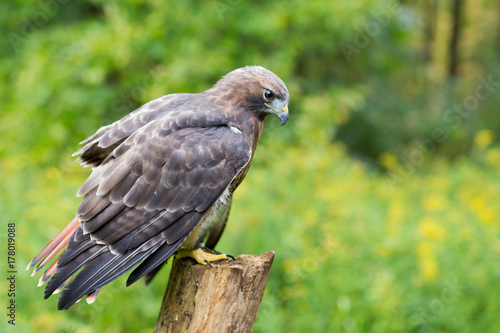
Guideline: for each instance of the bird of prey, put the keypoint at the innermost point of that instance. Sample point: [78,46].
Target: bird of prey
[161,184]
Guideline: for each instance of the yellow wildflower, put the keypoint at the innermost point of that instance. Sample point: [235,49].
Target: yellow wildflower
[487,215]
[388,160]
[433,203]
[493,157]
[430,229]
[484,138]
[428,267]
[477,204]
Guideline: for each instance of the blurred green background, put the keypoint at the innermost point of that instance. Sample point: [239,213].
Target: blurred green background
[379,196]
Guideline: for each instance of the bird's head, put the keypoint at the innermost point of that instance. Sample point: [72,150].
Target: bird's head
[258,90]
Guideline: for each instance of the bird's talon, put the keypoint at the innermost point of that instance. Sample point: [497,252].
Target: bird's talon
[202,256]
[206,249]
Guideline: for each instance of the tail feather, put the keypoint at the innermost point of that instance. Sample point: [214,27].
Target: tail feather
[78,245]
[64,273]
[92,296]
[97,273]
[48,273]
[62,237]
[84,266]
[53,253]
[152,273]
[58,289]
[152,262]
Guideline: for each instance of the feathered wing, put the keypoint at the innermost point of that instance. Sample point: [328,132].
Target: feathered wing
[98,146]
[145,198]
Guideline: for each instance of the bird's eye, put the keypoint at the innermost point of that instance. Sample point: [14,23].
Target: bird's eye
[268,95]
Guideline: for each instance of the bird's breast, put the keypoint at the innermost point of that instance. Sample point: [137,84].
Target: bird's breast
[216,214]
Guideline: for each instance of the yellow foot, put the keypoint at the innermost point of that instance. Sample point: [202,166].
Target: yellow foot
[203,257]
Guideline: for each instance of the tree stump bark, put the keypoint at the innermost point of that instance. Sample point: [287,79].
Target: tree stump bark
[221,298]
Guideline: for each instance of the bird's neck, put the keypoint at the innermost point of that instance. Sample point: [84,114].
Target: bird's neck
[250,125]
[235,111]
[252,132]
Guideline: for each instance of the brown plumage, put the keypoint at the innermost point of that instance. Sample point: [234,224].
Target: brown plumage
[162,178]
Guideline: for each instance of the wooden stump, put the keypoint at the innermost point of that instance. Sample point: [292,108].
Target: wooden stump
[221,298]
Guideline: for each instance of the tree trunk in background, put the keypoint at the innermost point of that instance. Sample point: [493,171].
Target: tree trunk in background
[429,13]
[455,37]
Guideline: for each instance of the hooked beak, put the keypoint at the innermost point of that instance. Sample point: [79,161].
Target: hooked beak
[283,115]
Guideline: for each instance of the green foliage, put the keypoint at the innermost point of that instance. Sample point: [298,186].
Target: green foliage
[358,253]
[408,250]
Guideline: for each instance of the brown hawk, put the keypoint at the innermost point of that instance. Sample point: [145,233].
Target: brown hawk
[162,182]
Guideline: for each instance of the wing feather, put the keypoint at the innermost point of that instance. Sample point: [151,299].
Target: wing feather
[145,198]
[107,214]
[99,146]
